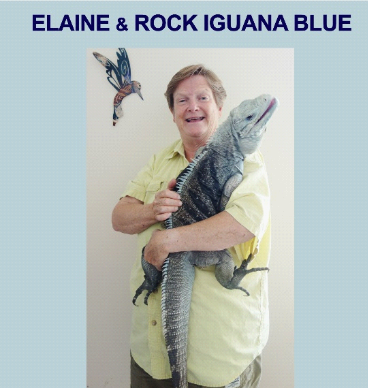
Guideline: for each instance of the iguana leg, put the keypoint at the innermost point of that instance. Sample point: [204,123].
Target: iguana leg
[231,184]
[152,279]
[229,277]
[242,271]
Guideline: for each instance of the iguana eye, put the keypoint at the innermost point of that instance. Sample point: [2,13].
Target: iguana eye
[249,117]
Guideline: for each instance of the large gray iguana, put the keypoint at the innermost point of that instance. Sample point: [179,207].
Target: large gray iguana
[205,187]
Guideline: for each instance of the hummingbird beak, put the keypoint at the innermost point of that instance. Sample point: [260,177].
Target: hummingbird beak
[139,93]
[137,89]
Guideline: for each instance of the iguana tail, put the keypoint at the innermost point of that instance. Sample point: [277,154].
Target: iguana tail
[176,299]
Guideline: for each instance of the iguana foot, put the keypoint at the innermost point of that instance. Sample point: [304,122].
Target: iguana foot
[244,266]
[145,286]
[238,274]
[152,279]
[137,293]
[147,296]
[242,289]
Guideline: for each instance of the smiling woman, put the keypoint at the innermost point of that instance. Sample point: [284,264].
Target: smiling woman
[195,113]
[142,156]
[240,225]
[195,96]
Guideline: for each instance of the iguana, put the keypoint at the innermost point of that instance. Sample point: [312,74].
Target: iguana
[205,187]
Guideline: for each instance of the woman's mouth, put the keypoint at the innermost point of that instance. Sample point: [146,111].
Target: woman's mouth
[194,119]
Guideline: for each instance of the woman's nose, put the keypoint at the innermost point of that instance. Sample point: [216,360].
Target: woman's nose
[192,106]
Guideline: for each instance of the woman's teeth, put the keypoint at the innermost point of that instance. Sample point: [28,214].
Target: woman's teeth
[194,119]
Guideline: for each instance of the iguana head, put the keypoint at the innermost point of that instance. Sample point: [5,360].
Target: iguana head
[249,121]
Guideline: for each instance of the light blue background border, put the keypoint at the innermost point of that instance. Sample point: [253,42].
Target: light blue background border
[43,167]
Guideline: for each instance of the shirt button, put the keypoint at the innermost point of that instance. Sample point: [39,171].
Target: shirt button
[154,323]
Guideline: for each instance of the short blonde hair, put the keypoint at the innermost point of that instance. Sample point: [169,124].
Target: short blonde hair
[214,82]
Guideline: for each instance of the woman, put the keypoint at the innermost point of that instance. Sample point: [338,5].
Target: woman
[227,331]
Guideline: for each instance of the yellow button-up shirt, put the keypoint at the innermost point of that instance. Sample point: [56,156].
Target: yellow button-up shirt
[227,329]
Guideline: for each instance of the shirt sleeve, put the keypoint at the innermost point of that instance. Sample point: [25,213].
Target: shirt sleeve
[249,204]
[137,187]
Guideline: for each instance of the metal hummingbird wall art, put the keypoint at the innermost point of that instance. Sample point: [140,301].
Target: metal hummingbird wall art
[120,78]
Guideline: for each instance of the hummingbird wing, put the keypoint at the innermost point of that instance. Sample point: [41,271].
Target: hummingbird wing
[114,75]
[124,66]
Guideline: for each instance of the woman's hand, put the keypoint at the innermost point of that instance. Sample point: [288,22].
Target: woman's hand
[156,250]
[166,202]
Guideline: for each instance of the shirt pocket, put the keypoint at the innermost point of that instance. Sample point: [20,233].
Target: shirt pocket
[154,187]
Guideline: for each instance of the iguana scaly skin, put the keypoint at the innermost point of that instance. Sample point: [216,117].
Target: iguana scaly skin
[205,187]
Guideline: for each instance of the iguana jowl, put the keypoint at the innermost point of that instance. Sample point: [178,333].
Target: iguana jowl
[205,187]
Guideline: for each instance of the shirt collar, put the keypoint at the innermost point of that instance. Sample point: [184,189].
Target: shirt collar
[177,150]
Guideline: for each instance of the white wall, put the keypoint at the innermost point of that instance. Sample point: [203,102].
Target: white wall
[116,154]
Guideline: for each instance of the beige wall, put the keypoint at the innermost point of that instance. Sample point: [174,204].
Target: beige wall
[116,154]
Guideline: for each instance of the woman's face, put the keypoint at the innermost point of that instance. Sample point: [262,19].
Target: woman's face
[195,111]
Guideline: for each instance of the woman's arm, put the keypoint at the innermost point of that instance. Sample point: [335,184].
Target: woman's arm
[219,232]
[132,216]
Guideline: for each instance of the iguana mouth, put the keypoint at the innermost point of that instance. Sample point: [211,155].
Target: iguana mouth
[190,119]
[272,103]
